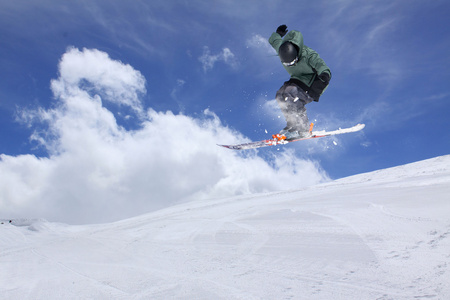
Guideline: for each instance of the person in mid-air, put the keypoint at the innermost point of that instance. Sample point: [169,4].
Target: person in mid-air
[310,77]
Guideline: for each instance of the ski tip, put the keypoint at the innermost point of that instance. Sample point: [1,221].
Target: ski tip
[232,147]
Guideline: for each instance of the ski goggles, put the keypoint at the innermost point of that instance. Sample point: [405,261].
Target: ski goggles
[292,63]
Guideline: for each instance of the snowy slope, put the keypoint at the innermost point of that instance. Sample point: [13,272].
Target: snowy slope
[380,235]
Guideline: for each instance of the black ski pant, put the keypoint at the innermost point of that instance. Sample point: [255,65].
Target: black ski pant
[292,100]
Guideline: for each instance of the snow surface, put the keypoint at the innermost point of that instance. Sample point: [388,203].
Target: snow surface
[379,235]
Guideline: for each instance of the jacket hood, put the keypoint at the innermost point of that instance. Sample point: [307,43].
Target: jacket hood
[296,38]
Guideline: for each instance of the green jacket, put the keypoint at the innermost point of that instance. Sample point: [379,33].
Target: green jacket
[309,66]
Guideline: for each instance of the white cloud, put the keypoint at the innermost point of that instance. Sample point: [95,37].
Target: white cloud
[259,42]
[98,171]
[208,60]
[81,71]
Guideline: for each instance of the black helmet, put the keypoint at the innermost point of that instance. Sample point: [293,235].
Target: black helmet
[288,53]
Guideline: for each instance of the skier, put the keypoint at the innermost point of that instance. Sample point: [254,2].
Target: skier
[309,78]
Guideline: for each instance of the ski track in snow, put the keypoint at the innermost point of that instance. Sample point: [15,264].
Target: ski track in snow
[380,235]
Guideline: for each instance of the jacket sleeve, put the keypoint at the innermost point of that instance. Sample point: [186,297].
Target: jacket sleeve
[319,67]
[317,63]
[275,40]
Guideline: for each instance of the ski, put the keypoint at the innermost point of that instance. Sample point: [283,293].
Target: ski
[281,140]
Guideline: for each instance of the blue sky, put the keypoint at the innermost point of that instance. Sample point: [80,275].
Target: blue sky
[206,65]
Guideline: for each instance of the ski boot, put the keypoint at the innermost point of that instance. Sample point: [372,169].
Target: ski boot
[290,133]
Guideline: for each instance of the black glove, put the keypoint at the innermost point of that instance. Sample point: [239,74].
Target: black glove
[282,30]
[325,78]
[319,84]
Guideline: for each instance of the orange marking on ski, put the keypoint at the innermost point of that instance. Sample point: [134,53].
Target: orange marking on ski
[278,137]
